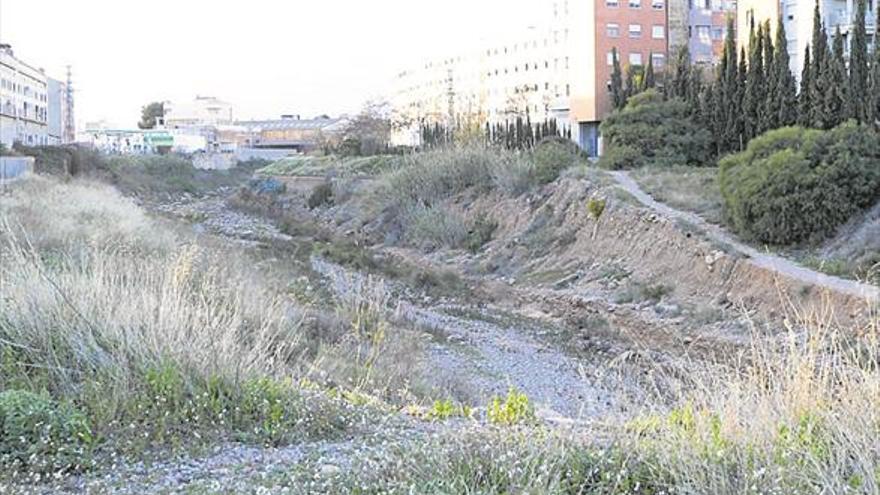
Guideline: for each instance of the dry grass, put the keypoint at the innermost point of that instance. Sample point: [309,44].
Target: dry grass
[693,189]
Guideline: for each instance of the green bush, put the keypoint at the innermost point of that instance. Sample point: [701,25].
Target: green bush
[41,435]
[654,131]
[321,195]
[480,233]
[551,157]
[794,185]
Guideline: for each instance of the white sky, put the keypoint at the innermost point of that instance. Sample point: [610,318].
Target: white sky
[267,57]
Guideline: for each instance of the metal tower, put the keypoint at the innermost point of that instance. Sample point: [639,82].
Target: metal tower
[68,135]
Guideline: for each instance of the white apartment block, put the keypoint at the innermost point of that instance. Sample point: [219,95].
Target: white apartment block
[24,101]
[797,18]
[501,80]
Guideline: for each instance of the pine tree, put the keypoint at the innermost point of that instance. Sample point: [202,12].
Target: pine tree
[784,90]
[694,92]
[858,67]
[617,98]
[821,54]
[835,101]
[754,94]
[805,97]
[648,81]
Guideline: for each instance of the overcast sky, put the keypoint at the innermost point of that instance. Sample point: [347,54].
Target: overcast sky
[267,57]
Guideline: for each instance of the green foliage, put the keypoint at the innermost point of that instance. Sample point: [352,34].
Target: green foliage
[321,195]
[511,410]
[596,207]
[480,233]
[858,66]
[835,79]
[617,97]
[551,157]
[41,435]
[150,114]
[651,131]
[793,185]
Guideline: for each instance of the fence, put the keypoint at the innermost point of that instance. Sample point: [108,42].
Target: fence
[15,167]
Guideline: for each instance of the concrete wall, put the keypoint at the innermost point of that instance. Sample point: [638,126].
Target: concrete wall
[15,167]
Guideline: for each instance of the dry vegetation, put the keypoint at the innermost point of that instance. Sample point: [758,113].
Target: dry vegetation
[119,334]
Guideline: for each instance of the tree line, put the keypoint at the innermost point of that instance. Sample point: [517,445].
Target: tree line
[518,134]
[754,91]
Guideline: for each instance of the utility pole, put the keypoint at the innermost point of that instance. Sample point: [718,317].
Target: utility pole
[69,134]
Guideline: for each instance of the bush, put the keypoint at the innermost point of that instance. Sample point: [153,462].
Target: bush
[654,131]
[40,434]
[321,195]
[793,185]
[551,157]
[480,233]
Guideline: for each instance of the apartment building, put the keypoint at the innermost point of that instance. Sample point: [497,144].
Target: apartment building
[24,101]
[560,69]
[797,19]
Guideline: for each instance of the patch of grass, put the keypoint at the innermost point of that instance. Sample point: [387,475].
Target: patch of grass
[637,292]
[693,189]
[481,232]
[321,195]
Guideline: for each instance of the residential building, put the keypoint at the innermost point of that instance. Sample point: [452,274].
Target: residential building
[24,101]
[58,109]
[797,19]
[560,70]
[203,111]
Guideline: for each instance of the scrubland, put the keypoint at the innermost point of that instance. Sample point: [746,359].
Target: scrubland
[125,336]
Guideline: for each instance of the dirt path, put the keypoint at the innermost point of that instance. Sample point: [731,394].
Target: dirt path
[768,261]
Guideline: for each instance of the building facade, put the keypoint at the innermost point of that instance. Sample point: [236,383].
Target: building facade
[24,102]
[560,70]
[797,20]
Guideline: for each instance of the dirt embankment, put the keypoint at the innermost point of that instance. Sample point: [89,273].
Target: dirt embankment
[548,239]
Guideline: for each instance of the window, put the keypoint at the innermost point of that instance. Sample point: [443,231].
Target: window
[658,4]
[613,30]
[611,4]
[659,60]
[635,30]
[717,33]
[635,59]
[658,32]
[635,4]
[610,58]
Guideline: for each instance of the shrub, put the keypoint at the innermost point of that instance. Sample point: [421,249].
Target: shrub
[793,185]
[513,409]
[654,131]
[321,195]
[596,207]
[480,233]
[434,227]
[551,157]
[40,434]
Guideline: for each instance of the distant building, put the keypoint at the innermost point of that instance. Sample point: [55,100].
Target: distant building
[558,71]
[289,133]
[203,111]
[797,19]
[129,141]
[57,92]
[24,101]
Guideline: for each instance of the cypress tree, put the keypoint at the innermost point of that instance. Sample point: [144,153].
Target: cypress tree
[681,79]
[805,97]
[617,98]
[694,92]
[835,101]
[738,118]
[784,91]
[727,103]
[648,81]
[820,56]
[768,113]
[873,99]
[754,94]
[858,67]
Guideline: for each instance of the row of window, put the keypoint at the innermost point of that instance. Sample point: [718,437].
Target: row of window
[22,89]
[658,31]
[636,4]
[26,111]
[636,58]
